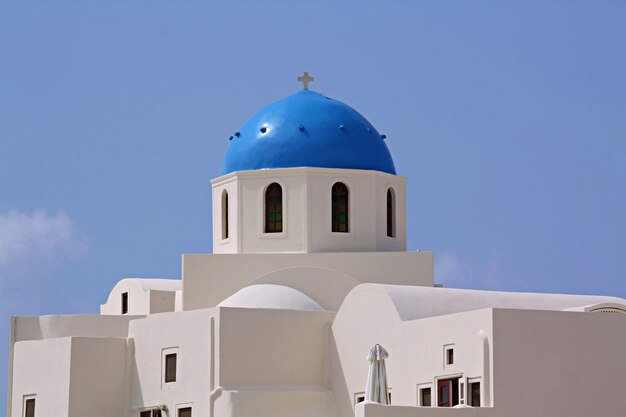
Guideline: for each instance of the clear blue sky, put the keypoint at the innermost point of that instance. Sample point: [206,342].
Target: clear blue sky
[509,118]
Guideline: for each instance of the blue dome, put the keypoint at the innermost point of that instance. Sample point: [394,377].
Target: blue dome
[307,129]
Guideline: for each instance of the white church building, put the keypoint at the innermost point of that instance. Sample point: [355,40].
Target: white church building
[309,270]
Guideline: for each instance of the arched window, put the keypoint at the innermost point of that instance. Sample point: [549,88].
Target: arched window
[391,212]
[340,210]
[274,208]
[225,214]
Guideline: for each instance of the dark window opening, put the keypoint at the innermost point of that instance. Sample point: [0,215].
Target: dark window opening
[170,367]
[225,215]
[274,208]
[150,413]
[391,209]
[184,412]
[124,303]
[29,408]
[474,394]
[449,356]
[425,394]
[340,208]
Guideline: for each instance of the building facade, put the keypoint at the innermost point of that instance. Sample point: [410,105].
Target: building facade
[309,270]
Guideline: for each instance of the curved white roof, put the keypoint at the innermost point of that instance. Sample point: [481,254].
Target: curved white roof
[419,302]
[158,284]
[271,296]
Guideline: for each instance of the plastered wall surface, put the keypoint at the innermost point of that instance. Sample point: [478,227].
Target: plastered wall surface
[189,335]
[517,354]
[307,211]
[250,358]
[559,363]
[98,382]
[210,278]
[145,296]
[416,348]
[42,368]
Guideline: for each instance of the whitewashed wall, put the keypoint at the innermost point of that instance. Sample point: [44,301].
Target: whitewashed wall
[98,378]
[210,278]
[188,334]
[529,362]
[145,296]
[42,368]
[71,376]
[307,211]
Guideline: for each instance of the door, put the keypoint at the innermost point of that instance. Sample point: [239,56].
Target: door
[447,392]
[443,393]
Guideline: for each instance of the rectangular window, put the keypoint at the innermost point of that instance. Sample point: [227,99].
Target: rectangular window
[124,302]
[184,412]
[29,407]
[425,397]
[448,356]
[474,394]
[150,413]
[170,367]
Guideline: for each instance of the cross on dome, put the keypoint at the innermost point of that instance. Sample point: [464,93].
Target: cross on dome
[305,79]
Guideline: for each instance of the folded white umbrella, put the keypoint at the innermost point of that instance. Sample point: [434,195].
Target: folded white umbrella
[376,390]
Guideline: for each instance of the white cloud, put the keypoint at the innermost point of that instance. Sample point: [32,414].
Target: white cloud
[37,236]
[465,272]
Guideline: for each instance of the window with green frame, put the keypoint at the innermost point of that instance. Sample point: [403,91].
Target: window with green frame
[340,208]
[273,208]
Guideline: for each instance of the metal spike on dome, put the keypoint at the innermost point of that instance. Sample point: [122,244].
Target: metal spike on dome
[342,127]
[383,137]
[230,138]
[237,134]
[369,130]
[301,127]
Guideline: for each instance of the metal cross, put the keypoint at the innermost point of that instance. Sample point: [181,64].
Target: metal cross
[305,79]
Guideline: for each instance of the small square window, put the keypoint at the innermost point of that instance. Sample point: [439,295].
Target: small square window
[448,355]
[184,412]
[170,367]
[124,303]
[29,407]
